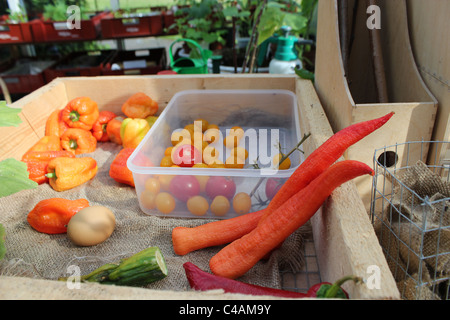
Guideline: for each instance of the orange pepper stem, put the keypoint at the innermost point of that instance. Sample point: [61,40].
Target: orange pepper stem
[74,116]
[73,144]
[51,175]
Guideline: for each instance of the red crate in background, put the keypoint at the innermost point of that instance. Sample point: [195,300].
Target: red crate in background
[146,61]
[85,63]
[14,32]
[54,31]
[133,26]
[24,75]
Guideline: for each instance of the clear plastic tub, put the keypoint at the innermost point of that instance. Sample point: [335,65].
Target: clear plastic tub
[270,121]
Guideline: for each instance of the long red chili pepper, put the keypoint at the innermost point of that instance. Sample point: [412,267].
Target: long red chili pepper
[235,259]
[321,158]
[203,281]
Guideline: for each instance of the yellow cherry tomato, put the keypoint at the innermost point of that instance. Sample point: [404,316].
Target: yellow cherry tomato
[210,154]
[168,151]
[286,164]
[166,161]
[242,203]
[148,199]
[237,131]
[165,202]
[164,181]
[153,185]
[220,206]
[197,205]
[180,136]
[234,162]
[202,180]
[231,141]
[202,124]
[211,135]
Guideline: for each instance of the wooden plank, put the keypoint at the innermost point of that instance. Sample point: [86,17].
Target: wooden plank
[162,88]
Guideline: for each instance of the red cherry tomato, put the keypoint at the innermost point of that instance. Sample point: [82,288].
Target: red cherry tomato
[186,155]
[220,186]
[273,185]
[184,187]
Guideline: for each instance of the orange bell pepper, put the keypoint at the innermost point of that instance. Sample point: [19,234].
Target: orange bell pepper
[55,125]
[119,170]
[52,215]
[78,141]
[139,105]
[47,143]
[68,173]
[132,131]
[99,127]
[80,113]
[37,163]
[113,130]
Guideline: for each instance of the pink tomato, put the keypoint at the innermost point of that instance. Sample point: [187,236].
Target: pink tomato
[220,186]
[186,155]
[273,185]
[184,187]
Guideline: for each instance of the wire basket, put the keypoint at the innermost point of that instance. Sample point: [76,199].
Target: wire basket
[410,214]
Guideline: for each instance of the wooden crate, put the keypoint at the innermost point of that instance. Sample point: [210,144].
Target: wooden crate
[343,235]
[346,102]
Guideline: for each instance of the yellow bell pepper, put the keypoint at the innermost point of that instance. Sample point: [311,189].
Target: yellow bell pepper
[132,131]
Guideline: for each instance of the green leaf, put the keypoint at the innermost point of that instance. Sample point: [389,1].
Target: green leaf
[230,12]
[296,21]
[14,177]
[305,74]
[2,242]
[9,116]
[271,21]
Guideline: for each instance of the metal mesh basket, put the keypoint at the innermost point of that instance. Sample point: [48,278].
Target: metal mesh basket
[409,211]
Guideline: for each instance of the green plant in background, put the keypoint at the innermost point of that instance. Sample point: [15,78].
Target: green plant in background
[271,16]
[19,16]
[57,10]
[201,21]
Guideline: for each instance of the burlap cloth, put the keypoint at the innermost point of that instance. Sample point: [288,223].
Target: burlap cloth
[39,255]
[416,233]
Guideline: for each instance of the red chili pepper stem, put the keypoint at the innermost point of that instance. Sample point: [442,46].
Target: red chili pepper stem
[74,116]
[334,289]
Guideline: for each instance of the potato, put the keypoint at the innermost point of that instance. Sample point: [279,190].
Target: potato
[91,225]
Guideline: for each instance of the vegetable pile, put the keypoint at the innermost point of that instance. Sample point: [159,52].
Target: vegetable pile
[61,159]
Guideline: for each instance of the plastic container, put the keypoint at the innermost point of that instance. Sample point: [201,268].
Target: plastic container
[269,119]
